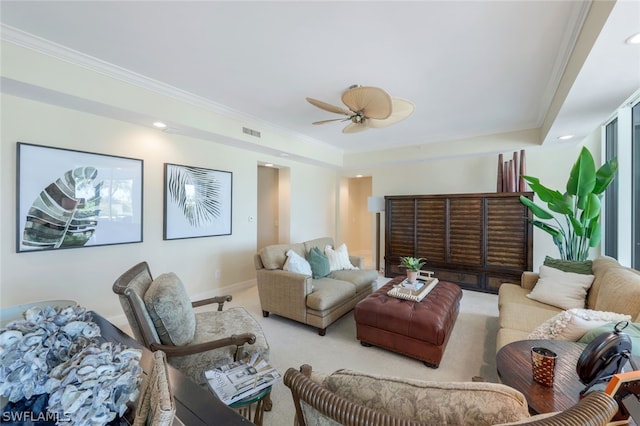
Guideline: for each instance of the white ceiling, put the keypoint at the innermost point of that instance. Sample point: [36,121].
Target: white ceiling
[472,68]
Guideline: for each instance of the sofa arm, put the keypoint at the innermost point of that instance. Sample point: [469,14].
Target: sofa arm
[528,280]
[284,293]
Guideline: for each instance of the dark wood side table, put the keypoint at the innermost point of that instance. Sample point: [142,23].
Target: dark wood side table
[513,363]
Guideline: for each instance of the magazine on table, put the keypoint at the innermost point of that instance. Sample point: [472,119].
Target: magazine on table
[239,379]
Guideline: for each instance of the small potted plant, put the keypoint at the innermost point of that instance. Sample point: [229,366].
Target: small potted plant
[412,265]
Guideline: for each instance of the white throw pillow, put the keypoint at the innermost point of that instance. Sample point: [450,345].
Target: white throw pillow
[565,290]
[338,258]
[572,324]
[296,263]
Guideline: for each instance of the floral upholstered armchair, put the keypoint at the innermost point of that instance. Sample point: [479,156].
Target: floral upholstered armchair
[357,399]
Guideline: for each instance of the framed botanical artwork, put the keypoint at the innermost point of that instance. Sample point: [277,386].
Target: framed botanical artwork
[197,202]
[71,199]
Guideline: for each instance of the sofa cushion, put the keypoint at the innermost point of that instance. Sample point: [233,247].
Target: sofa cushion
[274,256]
[338,258]
[524,317]
[509,335]
[572,324]
[296,263]
[619,292]
[319,263]
[601,264]
[361,278]
[170,310]
[319,243]
[577,267]
[450,403]
[565,290]
[513,293]
[328,293]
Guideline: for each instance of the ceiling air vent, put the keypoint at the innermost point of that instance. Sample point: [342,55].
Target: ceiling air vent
[251,132]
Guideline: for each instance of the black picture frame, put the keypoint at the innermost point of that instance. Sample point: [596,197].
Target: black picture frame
[68,198]
[197,202]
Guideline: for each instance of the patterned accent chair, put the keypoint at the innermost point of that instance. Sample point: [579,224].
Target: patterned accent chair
[162,317]
[357,399]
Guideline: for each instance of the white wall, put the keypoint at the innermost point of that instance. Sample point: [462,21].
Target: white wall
[86,274]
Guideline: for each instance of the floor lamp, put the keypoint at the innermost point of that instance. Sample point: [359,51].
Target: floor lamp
[376,205]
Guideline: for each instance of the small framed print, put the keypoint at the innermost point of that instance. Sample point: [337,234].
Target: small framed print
[197,202]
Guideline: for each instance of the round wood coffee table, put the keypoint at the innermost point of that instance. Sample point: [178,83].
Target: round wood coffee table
[513,363]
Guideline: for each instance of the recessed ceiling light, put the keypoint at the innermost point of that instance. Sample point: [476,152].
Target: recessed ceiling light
[565,137]
[358,176]
[159,125]
[268,164]
[634,39]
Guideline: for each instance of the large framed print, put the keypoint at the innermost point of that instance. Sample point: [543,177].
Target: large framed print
[197,202]
[71,199]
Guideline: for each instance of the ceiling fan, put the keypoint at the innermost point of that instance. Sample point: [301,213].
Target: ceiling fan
[369,107]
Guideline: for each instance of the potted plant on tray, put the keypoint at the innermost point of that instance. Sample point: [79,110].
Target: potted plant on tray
[412,265]
[579,205]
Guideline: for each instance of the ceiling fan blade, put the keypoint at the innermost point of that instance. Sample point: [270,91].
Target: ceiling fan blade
[373,102]
[329,121]
[355,127]
[401,110]
[328,107]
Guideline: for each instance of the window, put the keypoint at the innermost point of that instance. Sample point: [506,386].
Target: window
[611,197]
[635,186]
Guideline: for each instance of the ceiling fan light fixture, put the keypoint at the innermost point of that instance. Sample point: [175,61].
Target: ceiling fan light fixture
[368,107]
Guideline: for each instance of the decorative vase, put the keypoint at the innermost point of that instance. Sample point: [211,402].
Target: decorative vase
[412,276]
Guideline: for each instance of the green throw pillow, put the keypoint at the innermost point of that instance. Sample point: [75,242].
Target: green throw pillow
[633,330]
[574,266]
[319,263]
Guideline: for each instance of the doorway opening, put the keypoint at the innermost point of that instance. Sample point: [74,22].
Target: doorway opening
[355,219]
[274,200]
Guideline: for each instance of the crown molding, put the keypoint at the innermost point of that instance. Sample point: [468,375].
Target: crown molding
[74,57]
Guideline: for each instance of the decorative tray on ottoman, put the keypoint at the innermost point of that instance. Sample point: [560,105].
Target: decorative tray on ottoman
[408,291]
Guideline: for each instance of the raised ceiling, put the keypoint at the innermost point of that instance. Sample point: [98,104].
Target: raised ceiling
[472,68]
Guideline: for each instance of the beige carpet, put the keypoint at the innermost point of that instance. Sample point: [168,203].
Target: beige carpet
[470,352]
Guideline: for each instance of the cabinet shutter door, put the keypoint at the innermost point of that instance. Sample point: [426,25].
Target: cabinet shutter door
[431,230]
[465,231]
[400,238]
[506,233]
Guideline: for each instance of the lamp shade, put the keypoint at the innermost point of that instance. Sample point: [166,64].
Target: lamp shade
[375,204]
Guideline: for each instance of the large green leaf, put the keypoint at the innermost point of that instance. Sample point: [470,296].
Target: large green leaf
[582,178]
[561,205]
[605,175]
[545,194]
[578,228]
[554,232]
[595,232]
[535,209]
[591,207]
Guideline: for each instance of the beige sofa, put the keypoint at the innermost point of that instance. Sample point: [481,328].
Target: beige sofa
[317,302]
[615,288]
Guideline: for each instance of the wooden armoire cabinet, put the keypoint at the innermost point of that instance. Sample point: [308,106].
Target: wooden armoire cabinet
[477,241]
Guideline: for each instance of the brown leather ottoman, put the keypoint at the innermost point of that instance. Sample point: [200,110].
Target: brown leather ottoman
[417,329]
